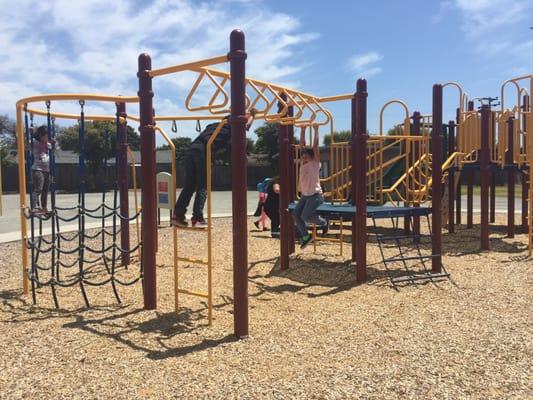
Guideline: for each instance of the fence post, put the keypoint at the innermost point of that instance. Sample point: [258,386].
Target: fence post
[284,183]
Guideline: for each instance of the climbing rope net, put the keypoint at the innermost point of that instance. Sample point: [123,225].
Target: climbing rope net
[79,245]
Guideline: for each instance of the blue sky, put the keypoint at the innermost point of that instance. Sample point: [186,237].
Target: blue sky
[401,47]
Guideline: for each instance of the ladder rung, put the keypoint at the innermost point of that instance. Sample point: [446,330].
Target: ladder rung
[191,228]
[192,293]
[420,277]
[397,237]
[193,260]
[420,258]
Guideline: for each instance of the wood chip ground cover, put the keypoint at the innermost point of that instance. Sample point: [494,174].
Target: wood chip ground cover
[314,332]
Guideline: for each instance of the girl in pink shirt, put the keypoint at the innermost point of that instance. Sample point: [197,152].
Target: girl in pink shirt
[310,191]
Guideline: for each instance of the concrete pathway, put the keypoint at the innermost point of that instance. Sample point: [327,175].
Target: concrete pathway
[10,219]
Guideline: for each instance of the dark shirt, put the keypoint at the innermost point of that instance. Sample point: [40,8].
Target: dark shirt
[223,138]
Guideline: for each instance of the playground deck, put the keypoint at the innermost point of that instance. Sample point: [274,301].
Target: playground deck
[346,211]
[314,332]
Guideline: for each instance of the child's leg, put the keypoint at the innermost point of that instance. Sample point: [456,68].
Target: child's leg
[297,215]
[201,187]
[38,182]
[188,187]
[263,218]
[309,214]
[44,191]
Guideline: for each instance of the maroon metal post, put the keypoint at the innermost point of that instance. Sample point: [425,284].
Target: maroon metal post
[509,160]
[284,183]
[470,188]
[525,183]
[436,170]
[148,172]
[416,132]
[451,178]
[292,181]
[458,189]
[122,177]
[359,150]
[492,191]
[239,164]
[484,157]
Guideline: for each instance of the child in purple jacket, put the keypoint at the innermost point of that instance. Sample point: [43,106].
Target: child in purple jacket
[40,170]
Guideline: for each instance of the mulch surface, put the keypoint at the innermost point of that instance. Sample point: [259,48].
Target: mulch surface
[314,333]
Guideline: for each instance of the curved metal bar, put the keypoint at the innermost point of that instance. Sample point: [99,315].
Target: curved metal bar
[388,103]
[461,93]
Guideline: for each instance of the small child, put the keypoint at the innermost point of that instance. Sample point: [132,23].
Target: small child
[40,170]
[262,187]
[311,191]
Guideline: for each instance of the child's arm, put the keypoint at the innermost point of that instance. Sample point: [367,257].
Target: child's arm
[251,118]
[316,147]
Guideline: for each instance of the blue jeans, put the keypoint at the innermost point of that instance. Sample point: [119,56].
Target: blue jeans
[304,213]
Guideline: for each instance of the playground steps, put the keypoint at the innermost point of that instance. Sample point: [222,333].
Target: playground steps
[407,256]
[198,261]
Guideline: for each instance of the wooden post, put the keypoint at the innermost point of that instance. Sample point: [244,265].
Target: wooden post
[525,183]
[470,188]
[148,170]
[492,205]
[416,132]
[451,178]
[509,160]
[239,164]
[458,189]
[292,182]
[284,183]
[436,168]
[122,177]
[484,159]
[359,166]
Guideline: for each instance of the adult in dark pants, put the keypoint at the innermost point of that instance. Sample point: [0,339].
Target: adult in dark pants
[195,172]
[271,206]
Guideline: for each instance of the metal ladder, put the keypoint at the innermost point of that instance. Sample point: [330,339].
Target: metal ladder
[408,254]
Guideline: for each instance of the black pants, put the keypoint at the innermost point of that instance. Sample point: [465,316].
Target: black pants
[41,184]
[195,181]
[272,213]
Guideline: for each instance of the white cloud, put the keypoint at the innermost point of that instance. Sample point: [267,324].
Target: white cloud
[93,45]
[486,16]
[365,64]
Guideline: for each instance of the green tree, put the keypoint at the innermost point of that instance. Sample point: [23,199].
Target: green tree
[267,139]
[340,136]
[181,144]
[8,135]
[396,130]
[97,147]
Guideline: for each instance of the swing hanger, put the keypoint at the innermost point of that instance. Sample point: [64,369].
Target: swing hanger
[198,126]
[174,126]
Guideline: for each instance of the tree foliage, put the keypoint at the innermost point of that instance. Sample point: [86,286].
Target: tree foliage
[100,141]
[267,139]
[340,136]
[8,135]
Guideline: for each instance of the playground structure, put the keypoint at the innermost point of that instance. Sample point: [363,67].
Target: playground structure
[357,186]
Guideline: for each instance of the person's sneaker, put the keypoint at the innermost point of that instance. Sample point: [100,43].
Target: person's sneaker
[38,211]
[305,241]
[275,233]
[199,223]
[265,229]
[179,221]
[256,223]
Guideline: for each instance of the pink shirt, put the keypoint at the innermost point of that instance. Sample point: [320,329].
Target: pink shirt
[310,178]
